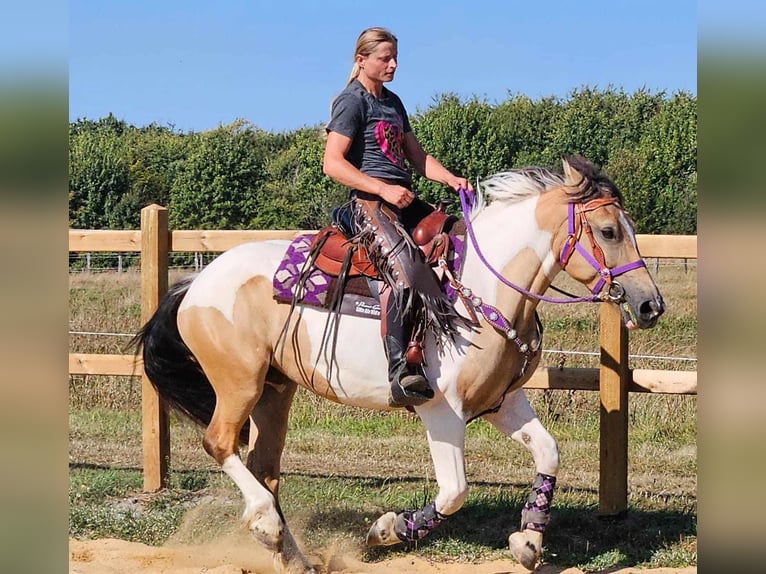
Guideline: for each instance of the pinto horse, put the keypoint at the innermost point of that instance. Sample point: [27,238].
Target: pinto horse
[216,348]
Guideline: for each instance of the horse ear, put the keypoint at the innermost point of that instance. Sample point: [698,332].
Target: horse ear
[573,178]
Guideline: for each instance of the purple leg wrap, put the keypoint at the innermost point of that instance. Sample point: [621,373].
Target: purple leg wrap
[412,525]
[537,510]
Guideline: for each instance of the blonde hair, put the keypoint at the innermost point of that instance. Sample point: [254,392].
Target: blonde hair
[367,43]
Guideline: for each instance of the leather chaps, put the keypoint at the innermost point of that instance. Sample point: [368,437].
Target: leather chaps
[415,289]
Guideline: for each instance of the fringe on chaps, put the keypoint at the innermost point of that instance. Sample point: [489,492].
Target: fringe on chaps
[403,268]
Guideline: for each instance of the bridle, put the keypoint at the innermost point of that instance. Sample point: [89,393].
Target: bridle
[577,222]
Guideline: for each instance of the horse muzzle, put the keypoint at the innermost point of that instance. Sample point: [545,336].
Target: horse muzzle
[642,314]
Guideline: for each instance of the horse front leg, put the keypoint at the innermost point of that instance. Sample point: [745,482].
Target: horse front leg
[445,430]
[517,420]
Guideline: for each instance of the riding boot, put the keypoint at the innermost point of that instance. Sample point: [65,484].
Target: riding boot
[409,386]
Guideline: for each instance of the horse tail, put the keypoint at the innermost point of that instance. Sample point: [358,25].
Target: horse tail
[171,366]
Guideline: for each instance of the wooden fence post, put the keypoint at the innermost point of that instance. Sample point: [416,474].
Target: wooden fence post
[154,284]
[613,389]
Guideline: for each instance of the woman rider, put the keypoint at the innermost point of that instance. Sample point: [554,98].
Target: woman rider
[368,140]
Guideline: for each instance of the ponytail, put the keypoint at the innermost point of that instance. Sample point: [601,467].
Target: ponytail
[354,72]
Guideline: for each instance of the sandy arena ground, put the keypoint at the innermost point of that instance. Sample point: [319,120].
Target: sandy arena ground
[111,556]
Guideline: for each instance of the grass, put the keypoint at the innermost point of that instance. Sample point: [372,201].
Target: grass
[102,504]
[658,531]
[344,467]
[336,483]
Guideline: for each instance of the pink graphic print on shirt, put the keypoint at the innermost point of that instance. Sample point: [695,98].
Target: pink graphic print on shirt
[390,139]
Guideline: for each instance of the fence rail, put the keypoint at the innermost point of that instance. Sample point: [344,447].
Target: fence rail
[613,379]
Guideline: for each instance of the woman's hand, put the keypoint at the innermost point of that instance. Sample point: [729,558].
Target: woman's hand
[456,183]
[396,195]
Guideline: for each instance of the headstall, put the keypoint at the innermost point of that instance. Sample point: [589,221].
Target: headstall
[577,222]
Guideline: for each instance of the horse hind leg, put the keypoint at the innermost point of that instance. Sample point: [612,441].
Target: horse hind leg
[517,420]
[268,430]
[238,380]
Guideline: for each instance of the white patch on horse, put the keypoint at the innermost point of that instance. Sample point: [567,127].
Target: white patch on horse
[257,498]
[626,225]
[445,430]
[259,502]
[363,379]
[516,419]
[501,238]
[522,187]
[550,264]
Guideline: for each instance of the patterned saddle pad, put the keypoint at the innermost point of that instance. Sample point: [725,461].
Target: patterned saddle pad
[319,288]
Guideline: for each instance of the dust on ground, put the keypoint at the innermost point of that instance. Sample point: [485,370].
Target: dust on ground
[229,556]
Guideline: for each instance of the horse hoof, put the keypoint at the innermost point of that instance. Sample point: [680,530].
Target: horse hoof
[382,532]
[267,540]
[267,530]
[523,550]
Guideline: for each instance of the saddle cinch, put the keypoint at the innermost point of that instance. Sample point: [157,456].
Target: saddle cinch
[337,256]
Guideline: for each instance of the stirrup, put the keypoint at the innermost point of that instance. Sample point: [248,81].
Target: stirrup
[410,391]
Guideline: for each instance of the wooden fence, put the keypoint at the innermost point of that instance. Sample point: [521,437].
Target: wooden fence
[613,379]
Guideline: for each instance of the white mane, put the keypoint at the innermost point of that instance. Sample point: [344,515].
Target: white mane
[514,185]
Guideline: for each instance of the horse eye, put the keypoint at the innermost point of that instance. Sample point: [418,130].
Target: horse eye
[608,233]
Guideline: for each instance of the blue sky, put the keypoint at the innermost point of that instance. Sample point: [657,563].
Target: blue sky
[195,65]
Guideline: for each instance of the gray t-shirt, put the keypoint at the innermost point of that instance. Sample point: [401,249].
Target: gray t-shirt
[376,127]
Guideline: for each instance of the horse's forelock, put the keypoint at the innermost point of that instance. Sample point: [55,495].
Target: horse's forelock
[596,184]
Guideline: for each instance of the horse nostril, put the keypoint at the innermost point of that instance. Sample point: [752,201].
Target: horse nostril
[652,309]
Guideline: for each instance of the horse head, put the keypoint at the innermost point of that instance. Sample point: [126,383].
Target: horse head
[597,244]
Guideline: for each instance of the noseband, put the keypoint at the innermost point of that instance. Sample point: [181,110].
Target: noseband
[576,224]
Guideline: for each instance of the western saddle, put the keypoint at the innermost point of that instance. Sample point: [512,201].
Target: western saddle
[332,246]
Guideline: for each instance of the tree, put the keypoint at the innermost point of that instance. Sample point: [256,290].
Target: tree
[463,138]
[238,176]
[525,126]
[298,195]
[659,176]
[216,186]
[98,176]
[587,124]
[153,156]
